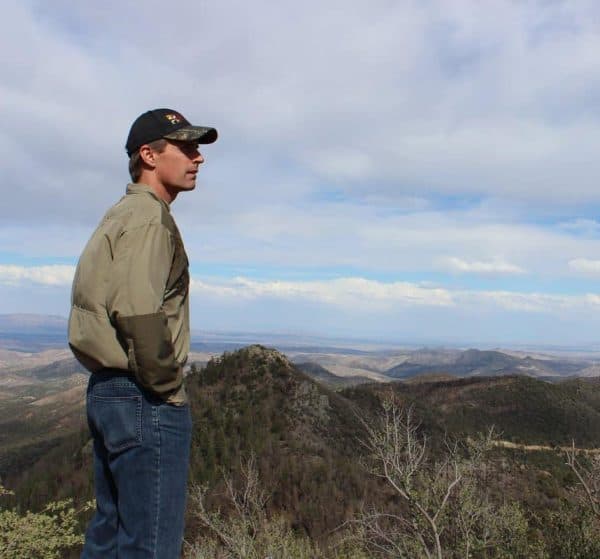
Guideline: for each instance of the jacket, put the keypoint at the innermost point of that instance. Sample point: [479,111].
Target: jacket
[129,302]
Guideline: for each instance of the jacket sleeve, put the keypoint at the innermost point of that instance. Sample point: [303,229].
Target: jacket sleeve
[142,262]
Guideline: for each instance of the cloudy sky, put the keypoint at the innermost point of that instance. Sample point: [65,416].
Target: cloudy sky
[408,171]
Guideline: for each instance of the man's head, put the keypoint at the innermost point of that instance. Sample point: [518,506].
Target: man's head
[163,151]
[166,123]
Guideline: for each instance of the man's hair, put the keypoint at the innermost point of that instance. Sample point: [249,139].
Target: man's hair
[136,162]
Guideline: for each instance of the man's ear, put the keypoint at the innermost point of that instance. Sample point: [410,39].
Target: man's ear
[148,156]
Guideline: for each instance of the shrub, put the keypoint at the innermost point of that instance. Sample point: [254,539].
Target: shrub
[45,535]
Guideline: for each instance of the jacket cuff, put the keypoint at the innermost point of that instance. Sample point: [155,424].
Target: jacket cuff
[150,352]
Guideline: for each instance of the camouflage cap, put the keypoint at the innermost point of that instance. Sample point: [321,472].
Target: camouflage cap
[166,123]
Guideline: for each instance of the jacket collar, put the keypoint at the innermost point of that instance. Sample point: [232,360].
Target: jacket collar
[138,187]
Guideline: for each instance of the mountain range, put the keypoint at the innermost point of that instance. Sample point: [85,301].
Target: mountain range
[42,386]
[308,435]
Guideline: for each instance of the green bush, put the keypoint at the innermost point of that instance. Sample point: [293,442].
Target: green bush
[45,535]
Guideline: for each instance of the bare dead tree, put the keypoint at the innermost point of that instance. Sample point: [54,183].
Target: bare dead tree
[249,503]
[587,474]
[399,454]
[247,531]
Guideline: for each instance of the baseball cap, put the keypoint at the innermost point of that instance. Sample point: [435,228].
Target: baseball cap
[169,124]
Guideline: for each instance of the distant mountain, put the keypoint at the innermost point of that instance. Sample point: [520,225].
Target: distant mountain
[32,323]
[58,369]
[523,409]
[37,333]
[474,362]
[32,332]
[321,374]
[13,361]
[42,397]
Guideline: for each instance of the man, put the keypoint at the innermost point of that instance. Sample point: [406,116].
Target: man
[129,326]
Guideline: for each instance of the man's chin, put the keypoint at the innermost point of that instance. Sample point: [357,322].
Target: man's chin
[188,186]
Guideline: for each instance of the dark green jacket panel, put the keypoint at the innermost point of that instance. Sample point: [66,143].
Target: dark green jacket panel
[151,353]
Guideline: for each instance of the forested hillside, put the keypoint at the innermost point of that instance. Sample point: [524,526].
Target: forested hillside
[312,452]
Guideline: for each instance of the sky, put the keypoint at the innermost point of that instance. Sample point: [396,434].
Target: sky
[404,171]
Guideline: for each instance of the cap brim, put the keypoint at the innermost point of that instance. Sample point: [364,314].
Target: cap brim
[200,134]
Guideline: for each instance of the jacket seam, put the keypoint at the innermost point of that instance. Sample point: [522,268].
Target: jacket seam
[89,311]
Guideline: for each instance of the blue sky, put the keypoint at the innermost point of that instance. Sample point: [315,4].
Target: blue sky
[408,170]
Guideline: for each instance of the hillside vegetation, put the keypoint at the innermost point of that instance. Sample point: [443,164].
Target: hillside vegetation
[523,409]
[308,444]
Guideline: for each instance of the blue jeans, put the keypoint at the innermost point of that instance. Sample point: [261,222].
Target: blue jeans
[141,458]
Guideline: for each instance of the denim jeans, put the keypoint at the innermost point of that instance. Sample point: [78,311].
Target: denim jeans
[141,458]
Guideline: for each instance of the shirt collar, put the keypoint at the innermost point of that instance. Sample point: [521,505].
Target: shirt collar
[136,188]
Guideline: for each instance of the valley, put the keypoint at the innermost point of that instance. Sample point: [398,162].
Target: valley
[302,411]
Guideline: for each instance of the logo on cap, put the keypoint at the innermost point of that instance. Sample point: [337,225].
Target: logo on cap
[173,118]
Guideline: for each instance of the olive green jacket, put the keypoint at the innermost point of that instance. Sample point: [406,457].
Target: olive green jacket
[129,303]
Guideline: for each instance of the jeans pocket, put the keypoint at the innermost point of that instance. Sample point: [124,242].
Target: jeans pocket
[118,420]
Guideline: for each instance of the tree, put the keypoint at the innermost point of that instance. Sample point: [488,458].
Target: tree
[247,532]
[441,507]
[45,535]
[587,473]
[576,525]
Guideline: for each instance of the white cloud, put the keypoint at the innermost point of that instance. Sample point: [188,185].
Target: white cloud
[524,302]
[585,266]
[355,293]
[429,98]
[349,293]
[494,267]
[56,275]
[374,240]
[398,312]
[344,292]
